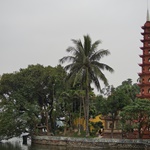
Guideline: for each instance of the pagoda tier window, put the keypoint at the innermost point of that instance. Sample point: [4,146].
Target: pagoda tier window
[148,43]
[149,69]
[149,80]
[149,60]
[142,80]
[148,90]
[148,36]
[149,51]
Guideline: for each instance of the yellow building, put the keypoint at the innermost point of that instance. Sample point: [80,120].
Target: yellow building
[81,122]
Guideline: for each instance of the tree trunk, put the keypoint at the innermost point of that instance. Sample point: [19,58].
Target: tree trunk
[139,132]
[112,128]
[87,112]
[79,122]
[84,110]
[47,125]
[65,130]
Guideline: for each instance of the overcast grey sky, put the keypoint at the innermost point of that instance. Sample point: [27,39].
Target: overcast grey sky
[39,31]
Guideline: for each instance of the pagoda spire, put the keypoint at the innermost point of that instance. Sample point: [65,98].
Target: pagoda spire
[148,18]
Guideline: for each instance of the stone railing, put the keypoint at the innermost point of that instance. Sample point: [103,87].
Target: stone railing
[92,142]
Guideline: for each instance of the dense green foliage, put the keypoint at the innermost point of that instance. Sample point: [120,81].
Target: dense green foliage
[116,100]
[136,116]
[38,96]
[27,98]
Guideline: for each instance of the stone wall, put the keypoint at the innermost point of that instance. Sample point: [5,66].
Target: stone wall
[92,142]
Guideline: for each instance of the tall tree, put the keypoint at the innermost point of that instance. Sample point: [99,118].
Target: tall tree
[111,106]
[117,98]
[86,67]
[28,96]
[115,103]
[18,111]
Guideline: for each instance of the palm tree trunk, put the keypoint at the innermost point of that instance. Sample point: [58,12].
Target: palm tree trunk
[87,112]
[87,104]
[84,109]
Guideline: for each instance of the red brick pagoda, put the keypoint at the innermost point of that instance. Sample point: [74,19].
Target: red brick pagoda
[145,65]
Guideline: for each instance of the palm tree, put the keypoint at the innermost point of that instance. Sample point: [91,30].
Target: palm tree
[86,68]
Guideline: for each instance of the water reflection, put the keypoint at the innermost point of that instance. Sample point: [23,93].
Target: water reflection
[48,147]
[12,146]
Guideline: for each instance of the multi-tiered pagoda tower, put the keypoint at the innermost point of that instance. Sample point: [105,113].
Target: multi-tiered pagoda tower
[145,65]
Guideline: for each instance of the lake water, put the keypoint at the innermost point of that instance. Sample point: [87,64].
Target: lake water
[16,144]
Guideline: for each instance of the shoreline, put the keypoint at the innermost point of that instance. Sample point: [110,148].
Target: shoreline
[92,142]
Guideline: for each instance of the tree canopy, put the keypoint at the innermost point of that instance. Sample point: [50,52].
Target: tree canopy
[136,116]
[26,96]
